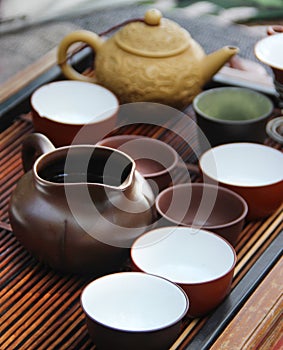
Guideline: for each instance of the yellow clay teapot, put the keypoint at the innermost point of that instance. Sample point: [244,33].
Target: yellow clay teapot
[151,59]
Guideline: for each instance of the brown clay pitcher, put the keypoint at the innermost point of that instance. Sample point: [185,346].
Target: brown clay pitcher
[79,208]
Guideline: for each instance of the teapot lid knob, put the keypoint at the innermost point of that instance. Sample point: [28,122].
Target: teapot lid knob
[153,17]
[154,36]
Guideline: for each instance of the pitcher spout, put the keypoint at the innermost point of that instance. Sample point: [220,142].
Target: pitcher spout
[213,62]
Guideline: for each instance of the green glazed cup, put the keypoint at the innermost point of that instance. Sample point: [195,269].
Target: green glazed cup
[231,114]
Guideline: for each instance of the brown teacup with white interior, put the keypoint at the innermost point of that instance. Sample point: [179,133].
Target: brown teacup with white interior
[73,112]
[199,261]
[252,170]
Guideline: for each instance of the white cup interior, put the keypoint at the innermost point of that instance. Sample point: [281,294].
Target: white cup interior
[183,254]
[270,50]
[74,102]
[243,164]
[134,301]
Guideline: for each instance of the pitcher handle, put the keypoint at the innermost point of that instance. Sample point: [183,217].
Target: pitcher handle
[88,37]
[34,145]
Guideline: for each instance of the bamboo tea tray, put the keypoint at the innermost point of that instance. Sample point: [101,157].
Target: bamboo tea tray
[40,309]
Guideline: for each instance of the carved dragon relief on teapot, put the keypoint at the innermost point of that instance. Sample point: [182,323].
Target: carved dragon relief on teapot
[151,82]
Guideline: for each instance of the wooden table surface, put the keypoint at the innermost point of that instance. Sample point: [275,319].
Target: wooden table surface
[40,309]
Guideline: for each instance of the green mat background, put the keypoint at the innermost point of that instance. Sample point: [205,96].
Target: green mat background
[266,9]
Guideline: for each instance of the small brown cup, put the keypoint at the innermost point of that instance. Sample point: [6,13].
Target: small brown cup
[154,159]
[73,112]
[252,170]
[133,310]
[274,29]
[200,205]
[199,261]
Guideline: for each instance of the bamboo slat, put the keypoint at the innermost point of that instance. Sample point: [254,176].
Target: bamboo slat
[252,327]
[40,309]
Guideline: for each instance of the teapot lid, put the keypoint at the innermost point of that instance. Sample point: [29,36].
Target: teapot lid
[155,36]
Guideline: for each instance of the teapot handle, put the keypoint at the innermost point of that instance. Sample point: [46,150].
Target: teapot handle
[88,37]
[33,146]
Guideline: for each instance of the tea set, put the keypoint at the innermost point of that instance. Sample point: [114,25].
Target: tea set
[90,201]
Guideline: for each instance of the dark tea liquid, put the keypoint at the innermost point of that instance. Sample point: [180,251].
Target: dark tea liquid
[101,170]
[83,178]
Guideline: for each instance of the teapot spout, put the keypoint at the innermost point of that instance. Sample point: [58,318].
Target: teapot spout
[213,62]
